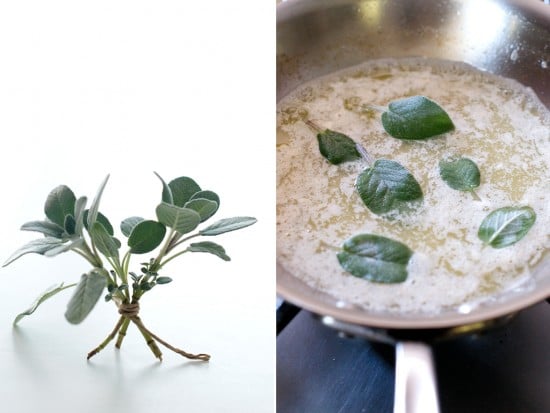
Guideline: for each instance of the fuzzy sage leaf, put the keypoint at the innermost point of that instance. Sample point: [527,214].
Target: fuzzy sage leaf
[226,225]
[146,236]
[375,258]
[127,225]
[204,207]
[183,220]
[50,292]
[182,189]
[461,174]
[85,297]
[387,185]
[59,204]
[37,246]
[416,117]
[94,208]
[48,228]
[104,242]
[506,226]
[210,247]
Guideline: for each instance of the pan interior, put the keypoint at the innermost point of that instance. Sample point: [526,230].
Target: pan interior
[308,296]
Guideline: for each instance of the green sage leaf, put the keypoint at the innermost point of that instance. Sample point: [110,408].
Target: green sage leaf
[70,225]
[146,236]
[103,241]
[506,226]
[75,243]
[166,191]
[79,214]
[210,247]
[183,189]
[50,292]
[163,280]
[461,174]
[210,195]
[375,258]
[387,185]
[87,293]
[416,117]
[127,225]
[337,147]
[37,246]
[204,207]
[94,207]
[227,224]
[183,220]
[102,219]
[59,204]
[48,228]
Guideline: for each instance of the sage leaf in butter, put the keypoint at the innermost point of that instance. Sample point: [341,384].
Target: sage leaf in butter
[375,258]
[415,118]
[506,226]
[50,292]
[461,174]
[337,147]
[387,185]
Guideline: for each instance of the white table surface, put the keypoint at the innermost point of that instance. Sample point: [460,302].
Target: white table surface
[129,88]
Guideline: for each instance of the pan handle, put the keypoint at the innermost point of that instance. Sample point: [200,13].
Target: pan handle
[415,381]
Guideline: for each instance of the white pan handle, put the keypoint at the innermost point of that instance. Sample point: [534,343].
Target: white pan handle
[415,381]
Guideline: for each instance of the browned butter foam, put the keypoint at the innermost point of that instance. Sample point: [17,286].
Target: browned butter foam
[500,125]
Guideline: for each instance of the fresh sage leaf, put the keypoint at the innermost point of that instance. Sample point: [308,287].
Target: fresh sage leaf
[102,219]
[59,204]
[461,174]
[94,208]
[37,246]
[375,258]
[48,228]
[79,214]
[75,243]
[387,185]
[166,191]
[146,236]
[104,242]
[127,225]
[50,292]
[337,147]
[212,196]
[183,220]
[227,224]
[70,225]
[210,247]
[416,117]
[204,207]
[183,188]
[87,293]
[163,280]
[506,226]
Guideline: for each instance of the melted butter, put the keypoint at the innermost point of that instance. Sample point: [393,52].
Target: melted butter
[499,125]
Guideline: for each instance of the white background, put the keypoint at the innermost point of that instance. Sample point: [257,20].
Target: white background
[128,88]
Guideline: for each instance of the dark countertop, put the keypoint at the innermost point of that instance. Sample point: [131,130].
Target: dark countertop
[504,370]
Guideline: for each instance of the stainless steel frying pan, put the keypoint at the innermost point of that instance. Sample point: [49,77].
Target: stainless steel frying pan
[509,38]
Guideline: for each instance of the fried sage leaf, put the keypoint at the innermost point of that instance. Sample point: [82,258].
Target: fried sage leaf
[337,147]
[375,258]
[461,174]
[387,185]
[416,117]
[506,226]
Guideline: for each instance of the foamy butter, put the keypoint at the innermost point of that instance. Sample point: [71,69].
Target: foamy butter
[500,125]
